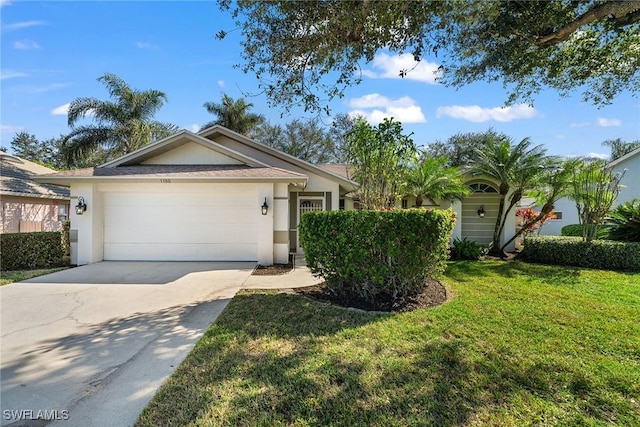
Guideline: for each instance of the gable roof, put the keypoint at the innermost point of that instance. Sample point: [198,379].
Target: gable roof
[625,158]
[212,131]
[18,179]
[174,141]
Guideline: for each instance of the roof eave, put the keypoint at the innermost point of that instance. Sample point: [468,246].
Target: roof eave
[66,181]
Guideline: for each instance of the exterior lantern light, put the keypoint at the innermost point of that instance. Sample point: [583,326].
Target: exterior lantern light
[481,212]
[81,207]
[265,207]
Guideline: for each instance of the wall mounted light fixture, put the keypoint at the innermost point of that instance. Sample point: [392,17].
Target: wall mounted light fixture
[265,207]
[481,212]
[81,207]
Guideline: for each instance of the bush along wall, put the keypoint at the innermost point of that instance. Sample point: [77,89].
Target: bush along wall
[380,257]
[599,254]
[23,251]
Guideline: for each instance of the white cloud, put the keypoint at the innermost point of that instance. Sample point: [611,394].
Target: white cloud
[221,83]
[5,3]
[195,128]
[147,45]
[477,114]
[375,108]
[62,110]
[10,74]
[597,156]
[10,129]
[605,123]
[26,44]
[389,67]
[21,25]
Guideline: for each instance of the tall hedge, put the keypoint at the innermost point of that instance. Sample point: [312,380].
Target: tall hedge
[372,255]
[23,251]
[599,254]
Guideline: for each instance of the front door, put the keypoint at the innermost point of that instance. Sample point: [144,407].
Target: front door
[308,204]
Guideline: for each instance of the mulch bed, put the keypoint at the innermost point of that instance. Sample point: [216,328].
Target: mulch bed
[273,270]
[433,295]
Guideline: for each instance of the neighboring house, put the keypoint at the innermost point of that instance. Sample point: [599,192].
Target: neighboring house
[197,197]
[566,210]
[26,204]
[477,214]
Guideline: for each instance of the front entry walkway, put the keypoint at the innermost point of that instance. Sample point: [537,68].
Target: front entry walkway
[89,346]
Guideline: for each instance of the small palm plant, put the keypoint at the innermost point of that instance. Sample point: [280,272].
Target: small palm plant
[432,179]
[624,222]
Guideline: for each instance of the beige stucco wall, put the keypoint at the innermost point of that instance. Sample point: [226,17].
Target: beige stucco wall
[191,153]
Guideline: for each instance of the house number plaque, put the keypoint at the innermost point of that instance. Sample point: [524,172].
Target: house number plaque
[165,180]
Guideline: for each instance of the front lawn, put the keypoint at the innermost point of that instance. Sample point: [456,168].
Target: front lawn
[7,277]
[518,344]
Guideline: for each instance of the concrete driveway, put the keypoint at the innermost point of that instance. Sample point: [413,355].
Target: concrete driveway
[89,346]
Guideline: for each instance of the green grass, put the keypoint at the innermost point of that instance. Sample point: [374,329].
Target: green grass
[518,344]
[7,277]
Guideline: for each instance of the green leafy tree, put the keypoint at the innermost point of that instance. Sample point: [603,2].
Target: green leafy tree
[619,147]
[460,149]
[26,146]
[46,152]
[341,126]
[306,140]
[431,178]
[307,52]
[234,115]
[595,189]
[120,125]
[516,168]
[379,157]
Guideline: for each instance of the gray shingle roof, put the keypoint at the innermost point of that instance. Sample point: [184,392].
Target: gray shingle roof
[16,179]
[178,171]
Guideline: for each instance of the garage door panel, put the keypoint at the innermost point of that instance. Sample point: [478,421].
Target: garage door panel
[190,252]
[217,224]
[229,234]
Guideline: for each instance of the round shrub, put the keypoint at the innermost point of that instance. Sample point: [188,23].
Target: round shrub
[376,256]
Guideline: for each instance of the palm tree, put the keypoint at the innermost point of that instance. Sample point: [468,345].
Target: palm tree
[234,115]
[121,125]
[516,168]
[432,179]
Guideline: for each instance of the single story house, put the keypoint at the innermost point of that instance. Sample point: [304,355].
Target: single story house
[566,210]
[217,195]
[26,204]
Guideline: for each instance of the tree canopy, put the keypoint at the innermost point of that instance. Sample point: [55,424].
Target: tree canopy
[120,125]
[306,140]
[234,114]
[306,52]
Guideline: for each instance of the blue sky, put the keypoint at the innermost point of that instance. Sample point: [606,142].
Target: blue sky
[53,52]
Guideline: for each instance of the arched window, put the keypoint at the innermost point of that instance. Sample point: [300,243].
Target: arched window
[480,187]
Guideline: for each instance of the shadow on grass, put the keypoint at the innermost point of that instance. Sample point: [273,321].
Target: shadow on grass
[283,360]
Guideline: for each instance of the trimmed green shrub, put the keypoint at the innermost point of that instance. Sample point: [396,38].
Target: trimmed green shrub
[624,222]
[466,249]
[598,254]
[376,256]
[23,251]
[575,230]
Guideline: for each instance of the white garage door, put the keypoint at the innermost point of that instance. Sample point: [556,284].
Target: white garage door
[215,223]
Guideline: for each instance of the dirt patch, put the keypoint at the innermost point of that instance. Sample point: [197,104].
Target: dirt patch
[434,294]
[274,270]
